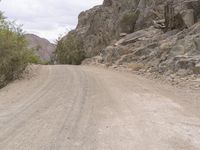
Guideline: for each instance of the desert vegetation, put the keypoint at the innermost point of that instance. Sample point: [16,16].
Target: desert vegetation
[14,54]
[70,50]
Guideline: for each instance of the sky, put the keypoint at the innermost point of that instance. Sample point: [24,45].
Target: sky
[46,18]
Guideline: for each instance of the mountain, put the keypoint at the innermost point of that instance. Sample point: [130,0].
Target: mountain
[44,49]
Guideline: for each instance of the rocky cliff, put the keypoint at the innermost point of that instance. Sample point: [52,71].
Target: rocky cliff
[149,35]
[101,25]
[43,48]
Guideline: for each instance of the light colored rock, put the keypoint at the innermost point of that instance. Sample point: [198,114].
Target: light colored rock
[188,17]
[197,68]
[123,34]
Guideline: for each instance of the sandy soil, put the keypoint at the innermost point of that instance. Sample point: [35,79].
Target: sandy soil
[87,108]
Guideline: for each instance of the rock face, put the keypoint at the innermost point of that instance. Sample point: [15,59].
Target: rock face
[43,48]
[159,36]
[171,49]
[107,3]
[166,53]
[99,26]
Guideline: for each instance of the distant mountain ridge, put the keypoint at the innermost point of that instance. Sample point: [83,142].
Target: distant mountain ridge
[44,49]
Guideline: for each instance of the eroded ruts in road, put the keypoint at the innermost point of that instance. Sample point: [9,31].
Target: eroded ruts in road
[69,107]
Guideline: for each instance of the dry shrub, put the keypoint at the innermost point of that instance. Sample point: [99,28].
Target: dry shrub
[14,54]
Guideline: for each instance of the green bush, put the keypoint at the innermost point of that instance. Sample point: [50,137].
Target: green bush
[14,54]
[69,50]
[32,58]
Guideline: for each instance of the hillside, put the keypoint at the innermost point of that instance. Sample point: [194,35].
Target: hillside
[160,37]
[101,25]
[44,49]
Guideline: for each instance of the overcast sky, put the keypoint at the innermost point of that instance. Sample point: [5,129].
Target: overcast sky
[46,18]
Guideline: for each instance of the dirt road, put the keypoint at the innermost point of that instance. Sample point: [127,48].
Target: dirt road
[83,108]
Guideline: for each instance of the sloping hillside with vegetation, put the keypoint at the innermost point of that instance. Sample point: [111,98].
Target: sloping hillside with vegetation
[44,49]
[14,54]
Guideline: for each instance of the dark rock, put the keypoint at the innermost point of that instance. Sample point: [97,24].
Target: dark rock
[175,51]
[107,3]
